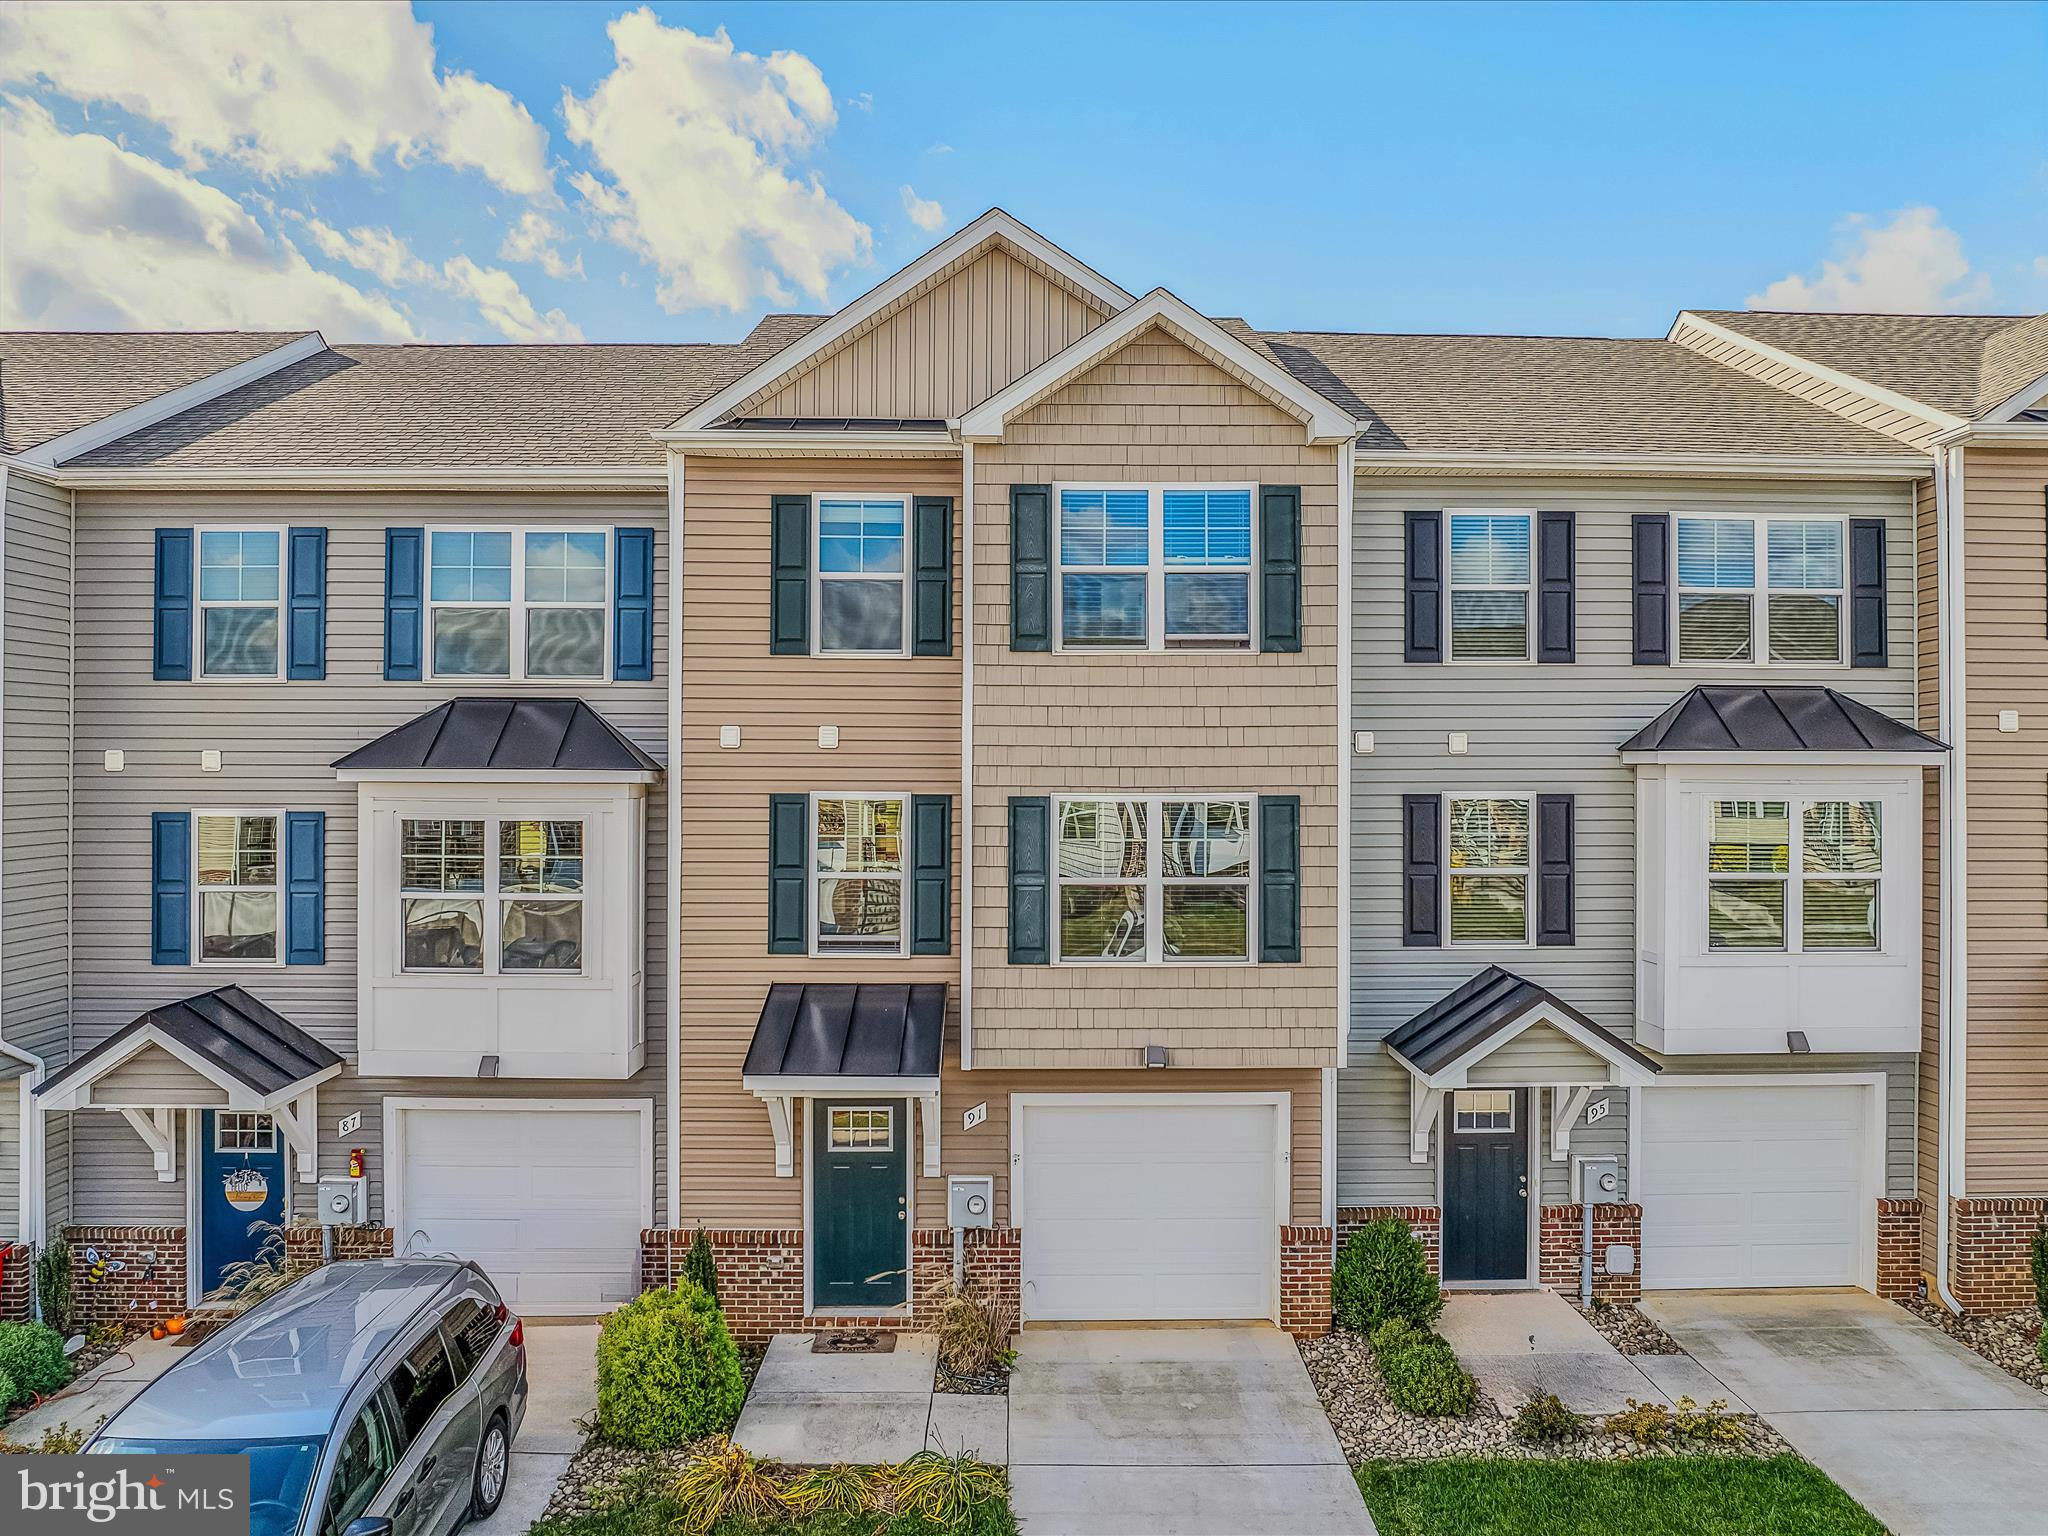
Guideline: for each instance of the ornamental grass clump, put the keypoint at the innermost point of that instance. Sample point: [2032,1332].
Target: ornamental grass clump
[1382,1273]
[727,1481]
[947,1490]
[667,1370]
[1544,1420]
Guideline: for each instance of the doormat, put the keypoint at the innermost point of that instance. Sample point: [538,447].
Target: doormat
[854,1341]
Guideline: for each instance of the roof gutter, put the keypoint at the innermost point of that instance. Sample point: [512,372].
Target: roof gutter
[1776,466]
[446,477]
[1954,991]
[1992,431]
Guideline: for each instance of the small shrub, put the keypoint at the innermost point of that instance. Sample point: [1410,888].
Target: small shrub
[1421,1371]
[1545,1419]
[53,1284]
[1383,1273]
[700,1266]
[835,1490]
[33,1355]
[667,1370]
[2037,1256]
[2041,1348]
[728,1481]
[1711,1425]
[947,1490]
[57,1440]
[973,1329]
[1644,1423]
[9,1392]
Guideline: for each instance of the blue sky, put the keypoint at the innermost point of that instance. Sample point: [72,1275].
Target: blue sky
[621,173]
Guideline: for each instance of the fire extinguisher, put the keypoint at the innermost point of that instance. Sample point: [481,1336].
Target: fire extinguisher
[355,1162]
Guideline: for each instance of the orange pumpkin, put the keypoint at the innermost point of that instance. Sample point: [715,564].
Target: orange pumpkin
[174,1326]
[157,1331]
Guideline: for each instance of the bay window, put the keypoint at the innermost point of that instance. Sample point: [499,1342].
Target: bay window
[240,585]
[517,604]
[1760,589]
[1489,868]
[521,910]
[1154,878]
[1154,567]
[1794,876]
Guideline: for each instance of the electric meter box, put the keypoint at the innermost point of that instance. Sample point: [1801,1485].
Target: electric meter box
[341,1201]
[1599,1179]
[971,1200]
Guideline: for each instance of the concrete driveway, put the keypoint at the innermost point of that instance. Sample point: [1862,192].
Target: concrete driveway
[561,1388]
[1211,1431]
[1929,1437]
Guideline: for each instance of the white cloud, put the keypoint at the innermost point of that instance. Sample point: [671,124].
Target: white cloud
[533,240]
[1913,265]
[378,252]
[282,89]
[495,293]
[924,213]
[694,144]
[100,238]
[939,149]
[862,101]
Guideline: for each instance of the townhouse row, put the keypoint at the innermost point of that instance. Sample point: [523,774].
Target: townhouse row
[1023,759]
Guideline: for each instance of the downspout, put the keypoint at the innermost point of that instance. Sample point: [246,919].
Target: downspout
[966,756]
[1953,994]
[672,990]
[1347,496]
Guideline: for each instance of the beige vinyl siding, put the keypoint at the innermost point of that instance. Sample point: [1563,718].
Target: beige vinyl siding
[961,336]
[1050,723]
[151,1077]
[2006,630]
[1850,404]
[278,742]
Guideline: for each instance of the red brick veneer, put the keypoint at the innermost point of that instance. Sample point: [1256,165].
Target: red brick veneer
[148,1288]
[1305,1280]
[1989,1249]
[1425,1221]
[1560,1234]
[303,1245]
[17,1283]
[1898,1249]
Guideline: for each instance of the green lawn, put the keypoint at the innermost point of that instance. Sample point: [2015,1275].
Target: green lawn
[1677,1496]
[657,1517]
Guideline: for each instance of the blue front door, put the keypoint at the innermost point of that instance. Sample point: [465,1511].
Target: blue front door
[241,1183]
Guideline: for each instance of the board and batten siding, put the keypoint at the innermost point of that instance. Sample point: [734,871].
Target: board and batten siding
[35,802]
[1050,723]
[278,742]
[967,331]
[1849,403]
[1542,729]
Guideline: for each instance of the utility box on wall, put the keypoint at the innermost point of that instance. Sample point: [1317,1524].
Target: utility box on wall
[341,1201]
[970,1200]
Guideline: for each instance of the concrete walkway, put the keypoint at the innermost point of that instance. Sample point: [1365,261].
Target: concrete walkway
[1520,1343]
[1929,1437]
[94,1397]
[1212,1431]
[813,1410]
[561,1391]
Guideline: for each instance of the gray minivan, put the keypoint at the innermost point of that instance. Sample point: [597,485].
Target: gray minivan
[377,1397]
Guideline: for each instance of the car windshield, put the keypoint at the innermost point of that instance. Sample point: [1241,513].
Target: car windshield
[280,1473]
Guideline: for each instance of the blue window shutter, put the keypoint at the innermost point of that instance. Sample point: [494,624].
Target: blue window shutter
[170,888]
[932,563]
[931,874]
[789,874]
[1422,841]
[789,576]
[633,606]
[172,656]
[1031,568]
[306,617]
[404,557]
[1650,551]
[305,887]
[1279,567]
[1556,599]
[1868,644]
[1280,878]
[1556,830]
[1422,603]
[1030,880]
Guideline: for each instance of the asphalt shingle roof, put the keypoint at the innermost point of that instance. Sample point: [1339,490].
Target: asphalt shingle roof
[490,735]
[1740,717]
[53,382]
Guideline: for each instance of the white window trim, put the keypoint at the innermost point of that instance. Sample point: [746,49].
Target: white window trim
[886,1111]
[201,604]
[518,604]
[1528,591]
[1484,1130]
[494,897]
[819,575]
[1527,871]
[1796,876]
[221,1114]
[200,892]
[1155,570]
[1155,881]
[1760,591]
[817,877]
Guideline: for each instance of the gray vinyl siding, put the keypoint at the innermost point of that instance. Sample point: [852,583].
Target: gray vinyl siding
[278,741]
[10,1158]
[1536,729]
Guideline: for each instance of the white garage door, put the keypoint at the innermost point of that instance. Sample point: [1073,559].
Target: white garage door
[1755,1186]
[549,1201]
[1149,1212]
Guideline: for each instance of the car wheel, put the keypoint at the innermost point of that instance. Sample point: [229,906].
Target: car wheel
[493,1469]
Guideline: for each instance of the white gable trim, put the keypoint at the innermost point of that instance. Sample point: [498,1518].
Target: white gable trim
[1876,393]
[993,225]
[2030,397]
[97,434]
[75,1094]
[1621,1070]
[1324,420]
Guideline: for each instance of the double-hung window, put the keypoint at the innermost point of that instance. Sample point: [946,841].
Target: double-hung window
[1157,878]
[1760,589]
[238,879]
[518,603]
[861,564]
[519,909]
[1489,568]
[1155,567]
[857,874]
[240,582]
[1489,868]
[1794,876]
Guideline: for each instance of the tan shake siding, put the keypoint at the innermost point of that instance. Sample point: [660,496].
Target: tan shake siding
[951,346]
[2006,631]
[1154,411]
[1850,404]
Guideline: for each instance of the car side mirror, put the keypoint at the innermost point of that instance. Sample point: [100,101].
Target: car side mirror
[368,1525]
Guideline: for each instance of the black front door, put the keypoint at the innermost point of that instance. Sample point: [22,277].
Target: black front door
[860,1205]
[1486,1184]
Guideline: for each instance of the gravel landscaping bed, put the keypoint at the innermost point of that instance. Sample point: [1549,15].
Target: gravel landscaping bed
[1621,1325]
[2006,1339]
[600,1476]
[1371,1428]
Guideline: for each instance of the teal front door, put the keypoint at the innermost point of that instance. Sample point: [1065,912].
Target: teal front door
[860,1203]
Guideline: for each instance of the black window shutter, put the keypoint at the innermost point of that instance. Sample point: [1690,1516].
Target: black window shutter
[1030,880]
[1422,563]
[931,874]
[789,577]
[1422,841]
[789,874]
[1650,553]
[1556,602]
[1030,567]
[1556,816]
[1868,644]
[932,601]
[1280,879]
[1279,567]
